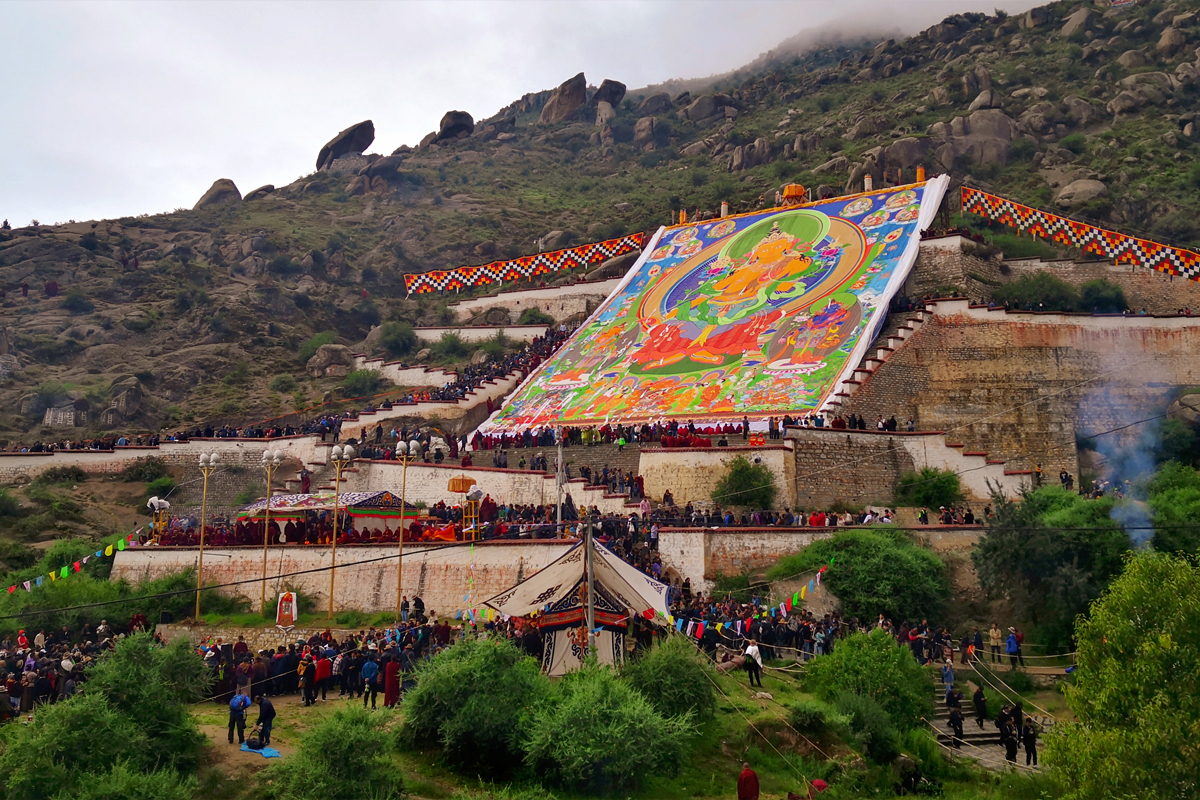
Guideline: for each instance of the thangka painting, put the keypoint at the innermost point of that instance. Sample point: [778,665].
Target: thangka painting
[759,315]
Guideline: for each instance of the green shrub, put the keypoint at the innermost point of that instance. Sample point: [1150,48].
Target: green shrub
[451,347]
[309,348]
[284,384]
[61,475]
[9,506]
[1040,291]
[535,316]
[815,717]
[929,488]
[144,470]
[160,487]
[283,265]
[362,382]
[123,782]
[1022,148]
[473,700]
[876,571]
[1075,142]
[873,666]
[343,757]
[1023,246]
[1019,681]
[1102,296]
[599,735]
[870,727]
[78,303]
[674,678]
[745,484]
[397,339]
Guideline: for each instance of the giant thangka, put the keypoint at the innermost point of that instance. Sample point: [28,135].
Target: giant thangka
[761,315]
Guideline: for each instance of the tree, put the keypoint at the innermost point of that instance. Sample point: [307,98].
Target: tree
[1102,296]
[473,699]
[1040,291]
[1135,699]
[1174,499]
[674,678]
[872,665]
[929,488]
[599,735]
[362,382]
[746,484]
[343,757]
[1050,553]
[874,572]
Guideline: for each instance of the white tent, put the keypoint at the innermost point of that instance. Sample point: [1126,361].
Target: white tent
[558,593]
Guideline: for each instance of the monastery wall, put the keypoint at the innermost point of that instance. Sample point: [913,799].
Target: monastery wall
[559,302]
[692,474]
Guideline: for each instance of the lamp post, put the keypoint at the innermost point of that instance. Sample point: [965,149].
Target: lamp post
[270,462]
[208,465]
[341,458]
[402,452]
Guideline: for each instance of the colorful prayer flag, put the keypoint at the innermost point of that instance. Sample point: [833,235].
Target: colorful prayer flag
[802,590]
[27,586]
[77,566]
[63,573]
[12,589]
[38,581]
[108,550]
[810,586]
[120,544]
[700,630]
[679,624]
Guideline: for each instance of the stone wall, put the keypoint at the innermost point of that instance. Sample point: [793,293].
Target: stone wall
[692,474]
[366,574]
[475,335]
[949,263]
[559,302]
[860,468]
[1021,385]
[703,555]
[256,638]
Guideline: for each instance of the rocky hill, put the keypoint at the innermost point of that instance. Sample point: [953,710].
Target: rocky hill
[194,314]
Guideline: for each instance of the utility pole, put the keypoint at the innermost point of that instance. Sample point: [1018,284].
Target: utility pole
[558,482]
[591,584]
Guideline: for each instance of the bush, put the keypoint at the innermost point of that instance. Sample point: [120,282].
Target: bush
[930,488]
[78,303]
[815,717]
[60,475]
[599,735]
[283,384]
[144,470]
[362,382]
[122,782]
[309,348]
[1022,148]
[343,757]
[874,572]
[746,484]
[397,339]
[282,265]
[674,678]
[1102,296]
[1019,681]
[160,487]
[870,727]
[873,666]
[535,316]
[451,347]
[473,700]
[1075,142]
[1040,291]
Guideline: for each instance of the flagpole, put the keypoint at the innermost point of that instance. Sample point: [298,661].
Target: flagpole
[591,583]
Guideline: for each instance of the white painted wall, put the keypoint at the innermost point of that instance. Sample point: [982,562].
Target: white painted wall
[559,302]
[692,474]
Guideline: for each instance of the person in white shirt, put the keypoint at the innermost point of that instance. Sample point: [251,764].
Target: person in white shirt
[754,663]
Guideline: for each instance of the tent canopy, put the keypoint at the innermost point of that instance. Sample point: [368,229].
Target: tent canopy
[636,592]
[323,501]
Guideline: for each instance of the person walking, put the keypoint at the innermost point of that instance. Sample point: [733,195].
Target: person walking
[370,672]
[1029,739]
[995,638]
[1013,648]
[747,783]
[1012,739]
[956,725]
[266,718]
[754,665]
[948,679]
[980,702]
[237,716]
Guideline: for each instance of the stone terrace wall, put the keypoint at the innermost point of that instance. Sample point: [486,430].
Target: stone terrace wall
[859,468]
[438,573]
[256,638]
[1019,385]
[1144,288]
[559,302]
[703,554]
[944,262]
[692,474]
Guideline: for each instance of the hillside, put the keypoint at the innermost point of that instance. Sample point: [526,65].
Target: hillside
[188,316]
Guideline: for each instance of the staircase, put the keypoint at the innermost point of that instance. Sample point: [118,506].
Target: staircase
[981,745]
[896,331]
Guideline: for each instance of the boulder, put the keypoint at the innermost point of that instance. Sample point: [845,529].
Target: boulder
[330,360]
[1171,41]
[1133,59]
[643,132]
[1124,103]
[702,107]
[354,139]
[984,136]
[750,155]
[401,150]
[611,92]
[453,124]
[863,128]
[615,266]
[423,354]
[1186,409]
[1081,112]
[654,104]
[1035,18]
[379,185]
[1078,192]
[986,99]
[1183,20]
[905,153]
[223,190]
[1078,22]
[604,113]
[361,184]
[480,357]
[565,100]
[944,32]
[984,77]
[551,241]
[260,192]
[383,167]
[836,164]
[253,244]
[1160,80]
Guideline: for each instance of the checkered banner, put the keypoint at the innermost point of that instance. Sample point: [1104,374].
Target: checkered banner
[523,267]
[1110,244]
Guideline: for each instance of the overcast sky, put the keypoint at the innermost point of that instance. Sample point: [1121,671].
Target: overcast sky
[113,109]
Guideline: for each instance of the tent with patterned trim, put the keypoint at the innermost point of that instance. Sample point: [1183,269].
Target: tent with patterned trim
[557,594]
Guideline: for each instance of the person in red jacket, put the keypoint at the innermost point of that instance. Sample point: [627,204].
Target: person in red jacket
[747,784]
[324,675]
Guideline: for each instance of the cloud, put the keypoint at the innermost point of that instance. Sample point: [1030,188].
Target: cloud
[121,108]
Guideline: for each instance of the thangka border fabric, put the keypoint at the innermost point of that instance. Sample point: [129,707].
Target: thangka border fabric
[523,267]
[1120,248]
[758,315]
